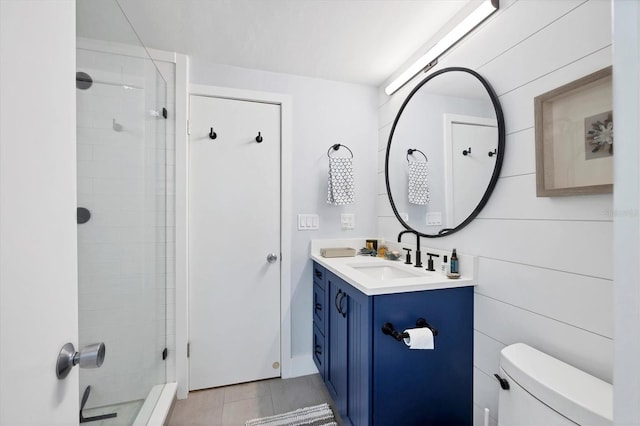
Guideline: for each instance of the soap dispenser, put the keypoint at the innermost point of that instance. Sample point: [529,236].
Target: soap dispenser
[444,266]
[454,263]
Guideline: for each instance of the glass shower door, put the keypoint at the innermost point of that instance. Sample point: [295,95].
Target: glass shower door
[121,136]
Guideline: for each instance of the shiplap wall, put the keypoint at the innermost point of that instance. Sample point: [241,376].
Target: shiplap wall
[544,264]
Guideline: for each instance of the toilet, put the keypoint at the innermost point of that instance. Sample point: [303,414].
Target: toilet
[543,390]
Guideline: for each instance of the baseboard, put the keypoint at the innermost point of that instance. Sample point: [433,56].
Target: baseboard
[301,365]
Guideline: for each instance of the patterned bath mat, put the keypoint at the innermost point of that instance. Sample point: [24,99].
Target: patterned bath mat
[318,415]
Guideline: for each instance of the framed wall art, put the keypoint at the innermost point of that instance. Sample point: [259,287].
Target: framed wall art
[574,137]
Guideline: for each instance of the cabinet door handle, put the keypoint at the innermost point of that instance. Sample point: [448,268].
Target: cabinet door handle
[335,300]
[344,296]
[318,273]
[318,350]
[318,307]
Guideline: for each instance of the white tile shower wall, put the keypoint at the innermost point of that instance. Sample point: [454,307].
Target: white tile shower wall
[324,113]
[545,264]
[123,248]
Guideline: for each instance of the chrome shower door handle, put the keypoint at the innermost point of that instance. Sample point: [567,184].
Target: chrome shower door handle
[91,356]
[272,258]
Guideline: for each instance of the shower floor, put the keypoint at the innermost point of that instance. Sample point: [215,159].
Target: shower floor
[127,413]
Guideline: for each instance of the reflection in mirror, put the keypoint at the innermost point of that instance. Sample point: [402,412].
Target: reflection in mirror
[444,152]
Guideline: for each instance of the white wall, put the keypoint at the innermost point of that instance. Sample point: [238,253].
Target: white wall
[545,264]
[324,113]
[38,284]
[626,94]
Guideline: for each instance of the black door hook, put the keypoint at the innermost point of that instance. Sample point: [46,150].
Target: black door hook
[466,151]
[212,134]
[82,215]
[259,138]
[492,153]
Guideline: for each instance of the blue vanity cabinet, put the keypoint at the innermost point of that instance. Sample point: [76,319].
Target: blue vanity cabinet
[319,351]
[376,380]
[320,308]
[336,370]
[348,374]
[424,387]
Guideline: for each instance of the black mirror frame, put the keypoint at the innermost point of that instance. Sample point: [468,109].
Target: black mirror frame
[499,156]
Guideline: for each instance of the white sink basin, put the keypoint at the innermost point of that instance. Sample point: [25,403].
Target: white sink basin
[386,272]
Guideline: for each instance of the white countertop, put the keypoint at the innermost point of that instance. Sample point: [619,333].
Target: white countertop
[421,279]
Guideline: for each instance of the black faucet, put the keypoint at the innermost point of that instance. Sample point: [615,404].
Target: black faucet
[418,253]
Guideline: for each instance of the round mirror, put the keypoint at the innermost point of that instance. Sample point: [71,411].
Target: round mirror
[444,152]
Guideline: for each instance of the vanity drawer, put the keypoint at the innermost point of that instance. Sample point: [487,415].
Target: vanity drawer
[319,275]
[319,307]
[319,353]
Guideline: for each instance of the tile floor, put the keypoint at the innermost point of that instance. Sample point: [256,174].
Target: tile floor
[234,405]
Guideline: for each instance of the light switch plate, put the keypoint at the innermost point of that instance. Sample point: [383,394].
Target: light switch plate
[347,220]
[308,222]
[434,218]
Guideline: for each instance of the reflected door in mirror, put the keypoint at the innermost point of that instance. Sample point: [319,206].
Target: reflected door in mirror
[467,173]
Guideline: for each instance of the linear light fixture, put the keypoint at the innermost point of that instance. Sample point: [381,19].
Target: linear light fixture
[482,12]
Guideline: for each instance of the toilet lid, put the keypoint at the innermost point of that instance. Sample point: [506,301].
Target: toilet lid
[575,394]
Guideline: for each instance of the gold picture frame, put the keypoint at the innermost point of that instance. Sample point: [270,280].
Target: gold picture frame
[574,137]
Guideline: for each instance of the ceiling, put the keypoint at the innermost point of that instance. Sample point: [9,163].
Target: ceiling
[358,41]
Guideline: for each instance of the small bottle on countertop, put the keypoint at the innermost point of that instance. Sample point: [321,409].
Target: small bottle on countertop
[454,269]
[444,266]
[382,248]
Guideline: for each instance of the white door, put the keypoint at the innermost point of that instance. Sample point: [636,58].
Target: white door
[38,273]
[234,226]
[469,174]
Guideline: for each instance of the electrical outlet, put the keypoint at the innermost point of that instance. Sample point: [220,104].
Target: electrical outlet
[347,220]
[434,218]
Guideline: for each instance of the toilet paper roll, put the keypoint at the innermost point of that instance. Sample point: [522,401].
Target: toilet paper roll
[419,338]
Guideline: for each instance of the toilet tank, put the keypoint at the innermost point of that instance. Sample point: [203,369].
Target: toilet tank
[546,391]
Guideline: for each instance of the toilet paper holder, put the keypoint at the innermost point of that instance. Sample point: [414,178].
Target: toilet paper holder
[387,328]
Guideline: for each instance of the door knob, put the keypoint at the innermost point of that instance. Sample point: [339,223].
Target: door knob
[91,356]
[272,257]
